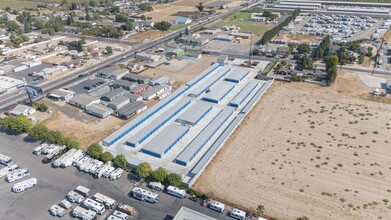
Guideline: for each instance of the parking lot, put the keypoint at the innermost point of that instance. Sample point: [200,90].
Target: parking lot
[54,184]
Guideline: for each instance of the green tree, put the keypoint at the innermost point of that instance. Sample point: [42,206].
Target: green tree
[18,124]
[260,209]
[88,17]
[95,151]
[331,68]
[39,132]
[163,25]
[70,20]
[54,137]
[200,7]
[279,66]
[73,6]
[304,48]
[92,3]
[121,18]
[120,161]
[109,49]
[361,59]
[305,62]
[159,174]
[106,157]
[39,24]
[128,26]
[143,170]
[174,179]
[71,143]
[145,7]
[40,106]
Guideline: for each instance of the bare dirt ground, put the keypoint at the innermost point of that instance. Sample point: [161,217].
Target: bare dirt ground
[308,150]
[165,12]
[190,3]
[181,71]
[387,36]
[367,62]
[73,122]
[302,38]
[147,35]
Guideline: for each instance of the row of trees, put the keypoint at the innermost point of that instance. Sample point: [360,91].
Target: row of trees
[268,35]
[96,151]
[323,49]
[40,132]
[144,170]
[163,25]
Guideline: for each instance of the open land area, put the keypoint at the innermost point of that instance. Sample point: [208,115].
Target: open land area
[21,4]
[307,150]
[165,12]
[190,3]
[240,19]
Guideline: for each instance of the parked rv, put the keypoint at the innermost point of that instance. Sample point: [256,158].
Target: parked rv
[156,186]
[84,214]
[180,193]
[56,210]
[130,210]
[25,184]
[145,195]
[238,214]
[107,201]
[73,197]
[6,170]
[65,204]
[6,160]
[218,206]
[54,154]
[116,174]
[17,174]
[84,191]
[94,206]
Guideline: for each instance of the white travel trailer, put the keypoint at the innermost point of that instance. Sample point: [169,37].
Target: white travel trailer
[6,170]
[17,174]
[73,196]
[238,214]
[156,186]
[120,215]
[94,206]
[145,195]
[116,174]
[56,210]
[107,201]
[83,213]
[65,204]
[180,193]
[84,191]
[25,184]
[218,206]
[6,160]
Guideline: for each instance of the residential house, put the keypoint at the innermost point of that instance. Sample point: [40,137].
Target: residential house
[152,92]
[159,81]
[136,78]
[99,110]
[119,102]
[112,73]
[61,94]
[83,100]
[146,57]
[183,20]
[22,110]
[131,109]
[113,94]
[125,84]
[139,89]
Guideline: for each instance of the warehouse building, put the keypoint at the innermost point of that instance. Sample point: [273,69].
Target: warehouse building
[210,82]
[237,75]
[112,73]
[83,100]
[8,84]
[224,37]
[243,94]
[133,108]
[221,90]
[99,110]
[136,78]
[165,140]
[177,52]
[162,80]
[156,124]
[198,143]
[195,113]
[127,128]
[113,94]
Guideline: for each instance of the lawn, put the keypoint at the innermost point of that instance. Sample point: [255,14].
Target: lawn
[178,27]
[241,19]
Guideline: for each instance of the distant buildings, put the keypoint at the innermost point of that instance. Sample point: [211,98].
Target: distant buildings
[112,73]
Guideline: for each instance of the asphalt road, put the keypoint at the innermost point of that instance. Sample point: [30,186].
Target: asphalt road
[53,184]
[9,101]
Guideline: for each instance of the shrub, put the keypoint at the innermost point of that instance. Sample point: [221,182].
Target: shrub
[143,170]
[106,157]
[120,161]
[174,179]
[159,174]
[18,124]
[54,137]
[40,106]
[71,143]
[39,132]
[95,151]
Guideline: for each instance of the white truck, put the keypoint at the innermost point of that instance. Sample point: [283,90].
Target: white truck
[6,170]
[84,214]
[17,174]
[6,160]
[25,184]
[56,210]
[73,196]
[107,201]
[116,174]
[94,206]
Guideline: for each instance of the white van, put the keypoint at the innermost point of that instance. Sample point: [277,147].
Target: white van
[238,214]
[217,206]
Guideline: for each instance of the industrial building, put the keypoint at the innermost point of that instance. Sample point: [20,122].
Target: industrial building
[243,94]
[195,113]
[216,95]
[211,81]
[133,108]
[165,140]
[237,75]
[8,84]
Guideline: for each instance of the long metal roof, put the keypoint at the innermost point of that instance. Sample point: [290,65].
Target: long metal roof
[118,134]
[203,137]
[243,94]
[162,142]
[219,91]
[237,74]
[131,108]
[154,125]
[202,75]
[195,113]
[210,82]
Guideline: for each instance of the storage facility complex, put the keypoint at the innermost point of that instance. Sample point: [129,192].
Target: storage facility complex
[186,129]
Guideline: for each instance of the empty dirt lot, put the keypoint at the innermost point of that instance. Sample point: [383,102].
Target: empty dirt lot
[306,150]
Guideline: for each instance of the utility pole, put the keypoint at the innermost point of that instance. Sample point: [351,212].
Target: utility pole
[251,43]
[377,55]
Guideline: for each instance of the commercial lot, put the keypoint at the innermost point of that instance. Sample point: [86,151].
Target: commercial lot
[306,150]
[54,184]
